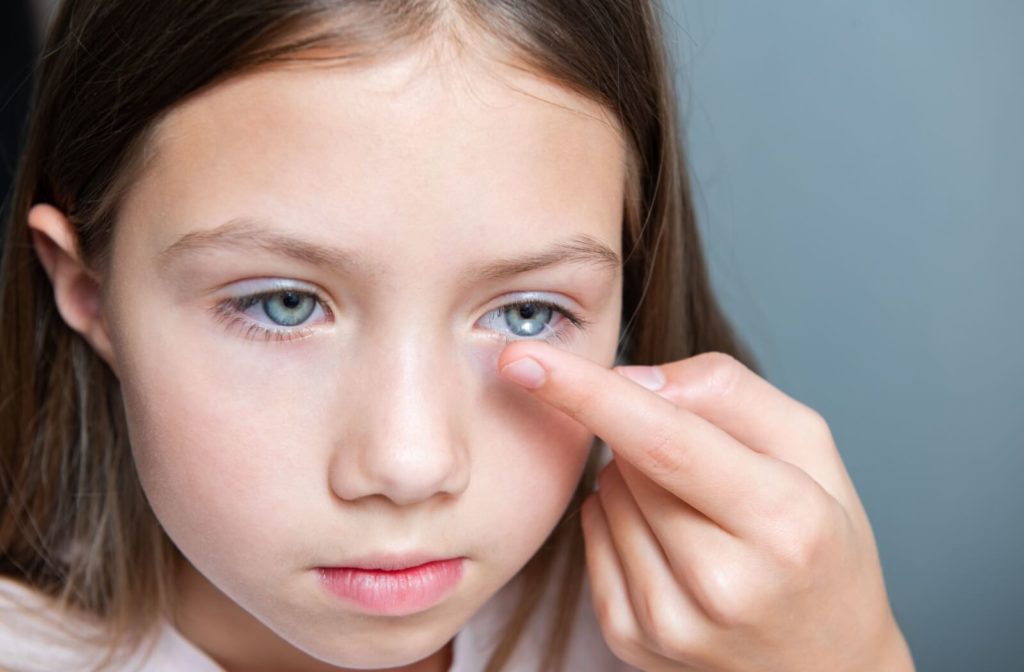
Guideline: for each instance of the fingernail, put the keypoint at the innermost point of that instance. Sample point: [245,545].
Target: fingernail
[526,372]
[650,377]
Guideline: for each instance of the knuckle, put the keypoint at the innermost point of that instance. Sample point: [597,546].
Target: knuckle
[718,374]
[620,631]
[802,530]
[663,621]
[816,425]
[723,593]
[665,453]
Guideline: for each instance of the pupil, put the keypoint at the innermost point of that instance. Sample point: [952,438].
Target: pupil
[290,300]
[526,311]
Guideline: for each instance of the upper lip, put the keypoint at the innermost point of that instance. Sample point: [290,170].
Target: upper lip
[390,561]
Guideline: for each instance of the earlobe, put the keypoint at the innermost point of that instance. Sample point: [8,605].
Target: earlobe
[76,290]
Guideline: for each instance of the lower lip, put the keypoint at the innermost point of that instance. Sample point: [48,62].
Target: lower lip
[394,593]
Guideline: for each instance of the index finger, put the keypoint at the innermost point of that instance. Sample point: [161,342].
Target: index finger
[690,457]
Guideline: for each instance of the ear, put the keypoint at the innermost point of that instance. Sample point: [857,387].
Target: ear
[76,289]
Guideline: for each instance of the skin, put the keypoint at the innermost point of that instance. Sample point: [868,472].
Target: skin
[725,535]
[384,426]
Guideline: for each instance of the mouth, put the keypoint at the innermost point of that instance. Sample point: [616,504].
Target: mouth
[393,585]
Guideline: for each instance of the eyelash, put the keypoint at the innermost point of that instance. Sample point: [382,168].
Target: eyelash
[231,312]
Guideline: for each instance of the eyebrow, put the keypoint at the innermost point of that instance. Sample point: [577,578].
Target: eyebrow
[579,249]
[245,234]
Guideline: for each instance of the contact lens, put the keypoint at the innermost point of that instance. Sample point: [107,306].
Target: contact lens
[527,319]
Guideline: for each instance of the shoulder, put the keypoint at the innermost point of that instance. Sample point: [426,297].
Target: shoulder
[36,635]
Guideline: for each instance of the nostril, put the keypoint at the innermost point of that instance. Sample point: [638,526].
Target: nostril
[404,473]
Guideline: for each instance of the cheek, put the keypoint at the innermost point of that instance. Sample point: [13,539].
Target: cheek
[532,478]
[219,445]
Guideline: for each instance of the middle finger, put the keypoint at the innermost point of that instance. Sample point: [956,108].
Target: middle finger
[666,611]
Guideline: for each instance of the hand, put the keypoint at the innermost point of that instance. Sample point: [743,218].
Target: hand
[726,533]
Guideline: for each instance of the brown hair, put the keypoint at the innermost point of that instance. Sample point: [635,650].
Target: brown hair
[75,523]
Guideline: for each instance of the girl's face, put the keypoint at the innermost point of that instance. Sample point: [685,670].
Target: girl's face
[310,287]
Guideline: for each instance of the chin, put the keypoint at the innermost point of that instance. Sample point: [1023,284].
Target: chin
[371,647]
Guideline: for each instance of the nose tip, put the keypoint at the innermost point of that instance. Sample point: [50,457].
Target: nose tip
[404,445]
[405,473]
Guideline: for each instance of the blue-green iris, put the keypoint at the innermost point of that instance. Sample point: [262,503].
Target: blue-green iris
[289,308]
[532,318]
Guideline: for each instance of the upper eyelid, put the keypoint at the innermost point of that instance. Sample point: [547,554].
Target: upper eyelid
[240,288]
[274,286]
[526,296]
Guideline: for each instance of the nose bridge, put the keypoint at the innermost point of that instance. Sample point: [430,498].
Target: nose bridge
[407,444]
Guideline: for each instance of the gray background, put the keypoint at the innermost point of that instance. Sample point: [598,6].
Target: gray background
[860,172]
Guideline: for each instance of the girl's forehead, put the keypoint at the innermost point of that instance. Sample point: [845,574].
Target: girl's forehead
[464,142]
[413,93]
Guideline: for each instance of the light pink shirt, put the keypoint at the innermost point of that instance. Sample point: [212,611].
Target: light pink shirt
[34,638]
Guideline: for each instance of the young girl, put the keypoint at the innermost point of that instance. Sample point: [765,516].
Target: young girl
[310,317]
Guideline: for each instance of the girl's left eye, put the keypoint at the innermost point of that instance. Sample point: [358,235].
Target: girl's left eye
[530,318]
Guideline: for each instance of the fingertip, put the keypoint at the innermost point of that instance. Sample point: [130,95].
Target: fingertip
[526,372]
[515,350]
[531,363]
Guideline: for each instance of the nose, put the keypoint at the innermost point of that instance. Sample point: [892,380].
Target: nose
[402,439]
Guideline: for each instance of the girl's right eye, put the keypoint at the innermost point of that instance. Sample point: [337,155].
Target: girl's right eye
[280,314]
[285,308]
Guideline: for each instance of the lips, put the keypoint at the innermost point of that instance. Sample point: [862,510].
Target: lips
[393,585]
